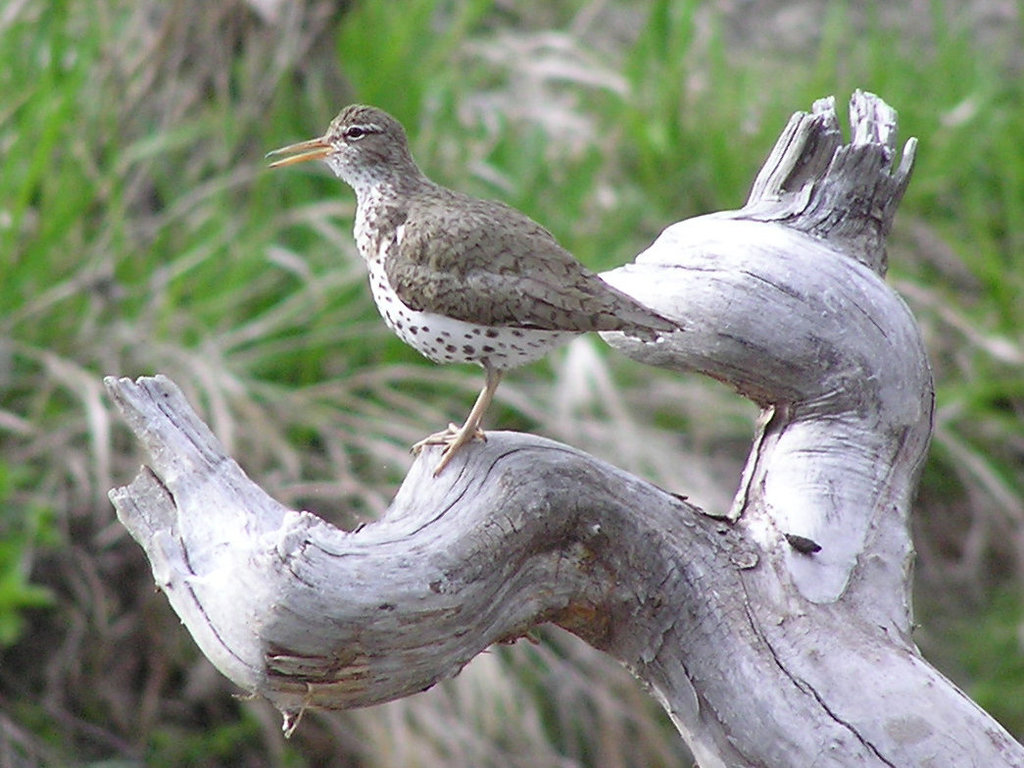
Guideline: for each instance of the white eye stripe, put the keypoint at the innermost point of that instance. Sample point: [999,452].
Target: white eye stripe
[356,132]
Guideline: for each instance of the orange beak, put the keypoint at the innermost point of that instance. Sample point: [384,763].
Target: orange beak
[314,149]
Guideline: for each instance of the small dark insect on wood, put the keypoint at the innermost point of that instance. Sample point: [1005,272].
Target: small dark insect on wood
[802,544]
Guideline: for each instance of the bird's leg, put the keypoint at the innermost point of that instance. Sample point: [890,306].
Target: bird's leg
[454,437]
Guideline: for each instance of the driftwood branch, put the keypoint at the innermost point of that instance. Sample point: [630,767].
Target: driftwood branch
[776,633]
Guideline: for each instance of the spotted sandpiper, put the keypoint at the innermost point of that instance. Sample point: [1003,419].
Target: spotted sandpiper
[460,279]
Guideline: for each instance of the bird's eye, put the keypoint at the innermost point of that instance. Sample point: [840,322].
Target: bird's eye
[355,132]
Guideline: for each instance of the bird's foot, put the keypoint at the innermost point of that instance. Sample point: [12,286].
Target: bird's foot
[452,438]
[438,438]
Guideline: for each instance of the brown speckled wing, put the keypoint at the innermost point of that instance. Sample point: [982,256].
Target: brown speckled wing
[486,263]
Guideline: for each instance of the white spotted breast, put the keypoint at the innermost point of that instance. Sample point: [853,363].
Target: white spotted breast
[446,339]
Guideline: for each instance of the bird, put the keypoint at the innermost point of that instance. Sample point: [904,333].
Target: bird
[458,278]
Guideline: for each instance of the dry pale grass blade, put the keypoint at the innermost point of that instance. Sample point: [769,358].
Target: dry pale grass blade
[563,718]
[630,728]
[614,414]
[542,77]
[978,449]
[976,466]
[20,748]
[89,466]
[934,304]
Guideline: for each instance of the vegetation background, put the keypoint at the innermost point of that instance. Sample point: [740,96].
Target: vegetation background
[140,232]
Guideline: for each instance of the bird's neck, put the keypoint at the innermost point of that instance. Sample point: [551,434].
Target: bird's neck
[382,208]
[391,190]
[383,199]
[384,194]
[381,180]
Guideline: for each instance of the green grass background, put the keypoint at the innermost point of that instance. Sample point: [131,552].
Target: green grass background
[140,232]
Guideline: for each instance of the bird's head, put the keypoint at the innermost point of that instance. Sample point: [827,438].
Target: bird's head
[364,146]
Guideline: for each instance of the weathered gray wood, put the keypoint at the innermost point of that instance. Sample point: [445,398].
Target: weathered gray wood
[764,652]
[813,335]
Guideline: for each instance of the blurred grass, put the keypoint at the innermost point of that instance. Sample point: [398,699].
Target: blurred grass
[140,232]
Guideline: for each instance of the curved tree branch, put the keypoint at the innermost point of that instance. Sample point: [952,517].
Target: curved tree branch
[816,338]
[775,634]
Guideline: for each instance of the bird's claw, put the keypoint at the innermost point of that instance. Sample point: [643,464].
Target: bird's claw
[452,438]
